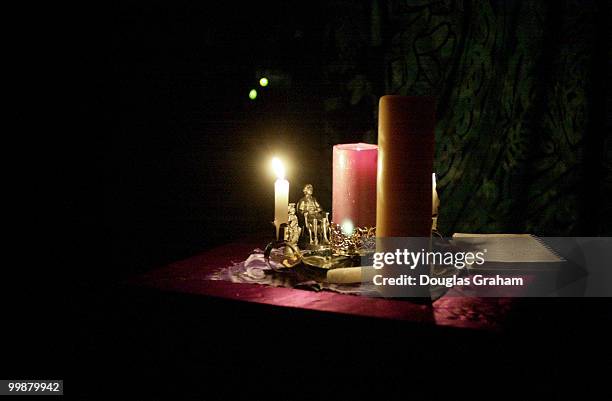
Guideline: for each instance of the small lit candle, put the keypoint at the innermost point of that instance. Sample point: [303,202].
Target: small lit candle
[281,195]
[435,201]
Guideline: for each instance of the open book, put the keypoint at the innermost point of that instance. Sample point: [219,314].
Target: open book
[509,251]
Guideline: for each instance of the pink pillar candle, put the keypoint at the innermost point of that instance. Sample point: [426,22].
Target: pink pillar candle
[354,184]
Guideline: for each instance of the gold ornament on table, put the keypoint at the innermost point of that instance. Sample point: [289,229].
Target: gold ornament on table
[358,241]
[292,233]
[315,221]
[308,203]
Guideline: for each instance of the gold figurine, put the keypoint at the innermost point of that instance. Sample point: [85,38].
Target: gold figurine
[292,234]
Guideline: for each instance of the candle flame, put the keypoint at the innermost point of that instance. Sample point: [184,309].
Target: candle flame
[347,227]
[278,168]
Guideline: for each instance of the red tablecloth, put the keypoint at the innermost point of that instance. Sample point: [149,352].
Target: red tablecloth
[190,276]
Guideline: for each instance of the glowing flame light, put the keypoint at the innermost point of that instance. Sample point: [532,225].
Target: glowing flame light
[278,168]
[347,227]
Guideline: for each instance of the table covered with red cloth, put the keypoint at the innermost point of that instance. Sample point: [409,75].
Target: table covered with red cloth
[191,276]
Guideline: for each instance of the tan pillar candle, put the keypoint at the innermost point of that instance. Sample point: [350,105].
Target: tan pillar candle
[405,164]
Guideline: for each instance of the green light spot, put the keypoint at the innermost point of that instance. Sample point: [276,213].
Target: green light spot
[264,81]
[253,94]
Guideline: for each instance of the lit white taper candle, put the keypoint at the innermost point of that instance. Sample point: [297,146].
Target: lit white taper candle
[281,195]
[435,203]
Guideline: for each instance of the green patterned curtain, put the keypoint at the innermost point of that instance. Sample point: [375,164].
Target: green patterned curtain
[523,134]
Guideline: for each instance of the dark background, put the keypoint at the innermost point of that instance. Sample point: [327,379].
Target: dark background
[523,133]
[167,156]
[190,167]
